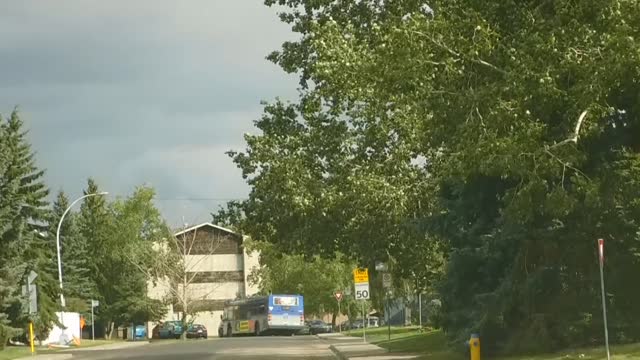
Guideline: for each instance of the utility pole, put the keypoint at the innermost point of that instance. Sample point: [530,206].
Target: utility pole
[420,307]
[604,301]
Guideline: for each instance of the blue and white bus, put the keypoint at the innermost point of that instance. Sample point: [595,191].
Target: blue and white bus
[273,314]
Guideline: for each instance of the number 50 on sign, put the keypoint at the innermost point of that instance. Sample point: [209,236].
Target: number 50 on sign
[362,291]
[361,281]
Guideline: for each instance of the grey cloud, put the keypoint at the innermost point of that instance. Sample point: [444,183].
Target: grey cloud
[141,92]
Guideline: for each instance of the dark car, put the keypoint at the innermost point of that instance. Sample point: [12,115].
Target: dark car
[170,329]
[356,324]
[305,329]
[319,327]
[197,331]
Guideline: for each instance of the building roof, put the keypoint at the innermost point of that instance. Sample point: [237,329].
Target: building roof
[206,224]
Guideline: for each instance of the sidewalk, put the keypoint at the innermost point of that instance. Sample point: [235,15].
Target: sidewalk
[67,353]
[47,357]
[353,348]
[114,346]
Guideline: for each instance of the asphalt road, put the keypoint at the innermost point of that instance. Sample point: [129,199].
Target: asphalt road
[297,347]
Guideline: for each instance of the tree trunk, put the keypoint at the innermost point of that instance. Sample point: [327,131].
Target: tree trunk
[184,318]
[333,319]
[110,328]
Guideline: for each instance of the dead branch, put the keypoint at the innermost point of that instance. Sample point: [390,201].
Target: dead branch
[576,132]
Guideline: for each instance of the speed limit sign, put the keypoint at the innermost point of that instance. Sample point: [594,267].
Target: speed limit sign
[362,291]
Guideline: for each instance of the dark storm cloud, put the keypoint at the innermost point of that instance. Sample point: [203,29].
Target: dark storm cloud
[141,92]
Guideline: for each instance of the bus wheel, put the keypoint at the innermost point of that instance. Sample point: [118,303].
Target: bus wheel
[257,329]
[229,331]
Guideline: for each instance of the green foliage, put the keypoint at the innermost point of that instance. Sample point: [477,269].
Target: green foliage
[330,176]
[23,214]
[76,261]
[229,216]
[453,137]
[93,245]
[109,231]
[137,223]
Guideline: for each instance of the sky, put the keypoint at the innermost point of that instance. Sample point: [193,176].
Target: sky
[142,92]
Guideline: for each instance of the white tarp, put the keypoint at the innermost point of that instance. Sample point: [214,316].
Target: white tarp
[72,323]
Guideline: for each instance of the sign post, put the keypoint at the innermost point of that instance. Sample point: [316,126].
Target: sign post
[420,308]
[338,296]
[386,284]
[365,322]
[94,303]
[604,302]
[361,281]
[30,291]
[31,337]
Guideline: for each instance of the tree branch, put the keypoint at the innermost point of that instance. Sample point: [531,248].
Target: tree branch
[576,132]
[459,56]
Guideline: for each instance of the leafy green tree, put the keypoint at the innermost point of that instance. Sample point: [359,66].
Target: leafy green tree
[137,224]
[501,132]
[230,215]
[112,230]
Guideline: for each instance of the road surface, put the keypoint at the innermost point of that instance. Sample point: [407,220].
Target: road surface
[262,348]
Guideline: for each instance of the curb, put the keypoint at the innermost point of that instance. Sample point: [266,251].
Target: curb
[337,353]
[358,350]
[47,357]
[113,346]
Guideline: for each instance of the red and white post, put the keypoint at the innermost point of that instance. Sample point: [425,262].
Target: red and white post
[604,299]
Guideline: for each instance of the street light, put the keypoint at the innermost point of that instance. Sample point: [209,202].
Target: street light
[62,303]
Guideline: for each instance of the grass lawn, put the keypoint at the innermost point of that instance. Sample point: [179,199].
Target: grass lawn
[14,352]
[434,346]
[410,340]
[619,352]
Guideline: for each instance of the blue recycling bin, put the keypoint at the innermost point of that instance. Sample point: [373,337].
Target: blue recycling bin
[141,332]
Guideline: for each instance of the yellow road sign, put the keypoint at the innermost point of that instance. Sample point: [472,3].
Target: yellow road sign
[244,325]
[360,276]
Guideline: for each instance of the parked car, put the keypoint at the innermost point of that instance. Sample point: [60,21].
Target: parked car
[319,327]
[305,329]
[197,331]
[356,324]
[359,323]
[345,325]
[170,329]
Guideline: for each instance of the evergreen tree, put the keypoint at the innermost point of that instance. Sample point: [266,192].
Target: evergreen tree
[92,226]
[23,213]
[8,276]
[94,223]
[79,287]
